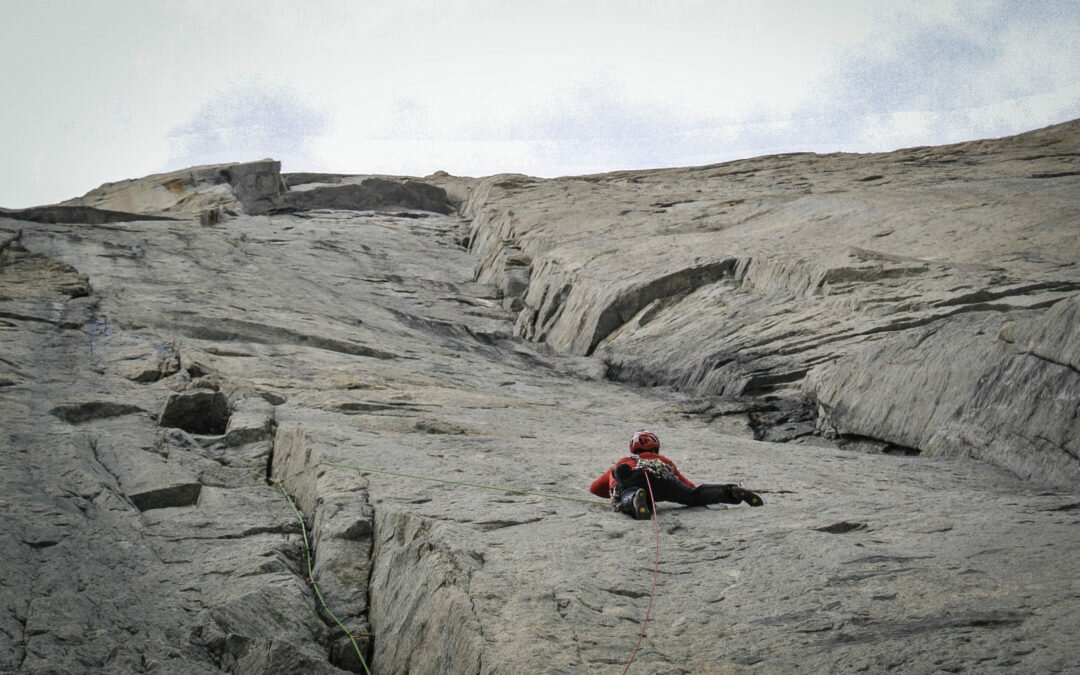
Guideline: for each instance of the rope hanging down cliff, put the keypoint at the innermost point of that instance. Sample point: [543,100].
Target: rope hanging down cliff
[652,587]
[315,585]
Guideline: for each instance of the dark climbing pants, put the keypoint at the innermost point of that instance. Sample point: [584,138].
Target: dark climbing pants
[674,490]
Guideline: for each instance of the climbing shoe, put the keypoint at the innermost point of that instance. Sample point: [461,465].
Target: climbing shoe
[640,502]
[751,498]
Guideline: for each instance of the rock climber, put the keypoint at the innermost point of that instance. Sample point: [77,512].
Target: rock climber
[625,482]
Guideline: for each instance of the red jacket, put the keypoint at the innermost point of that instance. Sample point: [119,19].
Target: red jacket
[602,486]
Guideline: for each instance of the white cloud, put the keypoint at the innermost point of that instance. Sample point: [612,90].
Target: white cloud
[120,88]
[250,119]
[727,84]
[963,71]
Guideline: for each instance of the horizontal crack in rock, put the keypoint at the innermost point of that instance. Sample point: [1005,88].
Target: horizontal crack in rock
[871,631]
[77,413]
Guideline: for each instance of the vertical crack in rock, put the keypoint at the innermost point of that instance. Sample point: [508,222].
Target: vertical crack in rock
[8,241]
[115,488]
[1054,362]
[24,621]
[420,597]
[340,522]
[342,553]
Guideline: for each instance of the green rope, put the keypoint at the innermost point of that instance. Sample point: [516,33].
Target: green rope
[315,584]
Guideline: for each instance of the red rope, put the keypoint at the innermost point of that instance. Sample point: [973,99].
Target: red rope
[656,570]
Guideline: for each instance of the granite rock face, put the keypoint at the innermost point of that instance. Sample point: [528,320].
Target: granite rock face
[253,187]
[869,289]
[165,383]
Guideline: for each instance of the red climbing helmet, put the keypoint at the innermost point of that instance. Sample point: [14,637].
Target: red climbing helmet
[644,441]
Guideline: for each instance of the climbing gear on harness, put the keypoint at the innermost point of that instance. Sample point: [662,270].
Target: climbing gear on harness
[644,441]
[656,467]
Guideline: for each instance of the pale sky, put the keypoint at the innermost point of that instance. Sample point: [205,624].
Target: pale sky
[112,89]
